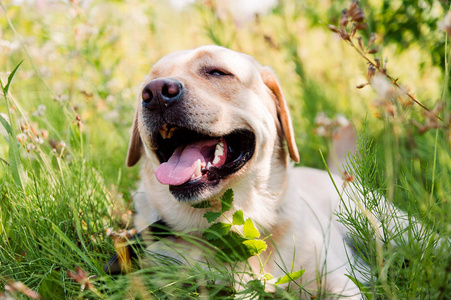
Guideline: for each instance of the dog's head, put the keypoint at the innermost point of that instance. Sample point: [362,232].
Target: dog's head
[206,117]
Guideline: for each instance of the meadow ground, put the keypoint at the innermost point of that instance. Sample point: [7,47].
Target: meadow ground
[66,115]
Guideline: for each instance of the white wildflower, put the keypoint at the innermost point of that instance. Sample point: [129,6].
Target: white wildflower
[321,131]
[39,111]
[109,231]
[30,147]
[39,140]
[322,119]
[21,137]
[61,97]
[341,120]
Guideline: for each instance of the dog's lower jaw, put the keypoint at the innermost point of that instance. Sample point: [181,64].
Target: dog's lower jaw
[192,195]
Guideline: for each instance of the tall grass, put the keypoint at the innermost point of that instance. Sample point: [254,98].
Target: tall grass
[70,106]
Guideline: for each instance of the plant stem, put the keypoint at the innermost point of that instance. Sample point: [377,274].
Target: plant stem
[392,80]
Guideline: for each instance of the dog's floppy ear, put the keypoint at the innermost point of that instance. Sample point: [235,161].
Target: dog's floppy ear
[283,113]
[135,146]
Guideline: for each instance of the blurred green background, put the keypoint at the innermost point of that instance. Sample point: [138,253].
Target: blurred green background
[71,104]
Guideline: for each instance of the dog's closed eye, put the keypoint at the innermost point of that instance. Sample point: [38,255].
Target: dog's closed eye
[217,72]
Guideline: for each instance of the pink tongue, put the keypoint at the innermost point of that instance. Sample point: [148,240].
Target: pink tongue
[182,164]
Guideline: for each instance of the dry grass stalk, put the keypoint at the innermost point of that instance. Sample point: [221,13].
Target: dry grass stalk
[17,286]
[353,19]
[81,277]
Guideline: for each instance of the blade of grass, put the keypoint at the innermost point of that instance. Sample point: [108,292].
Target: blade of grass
[10,78]
[7,128]
[77,250]
[15,163]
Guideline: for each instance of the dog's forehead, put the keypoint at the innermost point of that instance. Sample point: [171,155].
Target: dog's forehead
[206,56]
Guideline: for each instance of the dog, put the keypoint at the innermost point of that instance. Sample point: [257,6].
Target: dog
[212,119]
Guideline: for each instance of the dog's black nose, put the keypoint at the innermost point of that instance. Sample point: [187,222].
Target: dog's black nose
[161,93]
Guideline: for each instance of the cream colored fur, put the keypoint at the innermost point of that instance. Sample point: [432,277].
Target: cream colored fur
[295,205]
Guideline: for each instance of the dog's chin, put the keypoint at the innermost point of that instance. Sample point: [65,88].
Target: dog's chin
[195,191]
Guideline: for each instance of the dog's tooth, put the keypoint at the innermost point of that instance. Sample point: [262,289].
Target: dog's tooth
[209,165]
[216,160]
[219,150]
[198,171]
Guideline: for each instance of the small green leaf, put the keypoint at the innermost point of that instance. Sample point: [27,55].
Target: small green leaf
[216,230]
[268,276]
[249,230]
[232,248]
[226,200]
[211,216]
[10,78]
[290,277]
[15,162]
[238,218]
[255,247]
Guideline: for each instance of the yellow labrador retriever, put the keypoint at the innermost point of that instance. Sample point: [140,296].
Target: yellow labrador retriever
[212,119]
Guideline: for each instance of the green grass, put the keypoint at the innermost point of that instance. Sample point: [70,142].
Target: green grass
[85,64]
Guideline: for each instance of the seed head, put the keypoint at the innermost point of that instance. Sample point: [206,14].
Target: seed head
[378,62]
[371,72]
[361,86]
[344,18]
[344,35]
[372,39]
[356,13]
[333,28]
[361,26]
[361,43]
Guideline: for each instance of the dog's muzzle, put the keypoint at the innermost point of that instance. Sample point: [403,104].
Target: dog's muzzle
[192,160]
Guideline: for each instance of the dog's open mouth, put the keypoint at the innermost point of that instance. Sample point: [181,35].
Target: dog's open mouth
[191,161]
